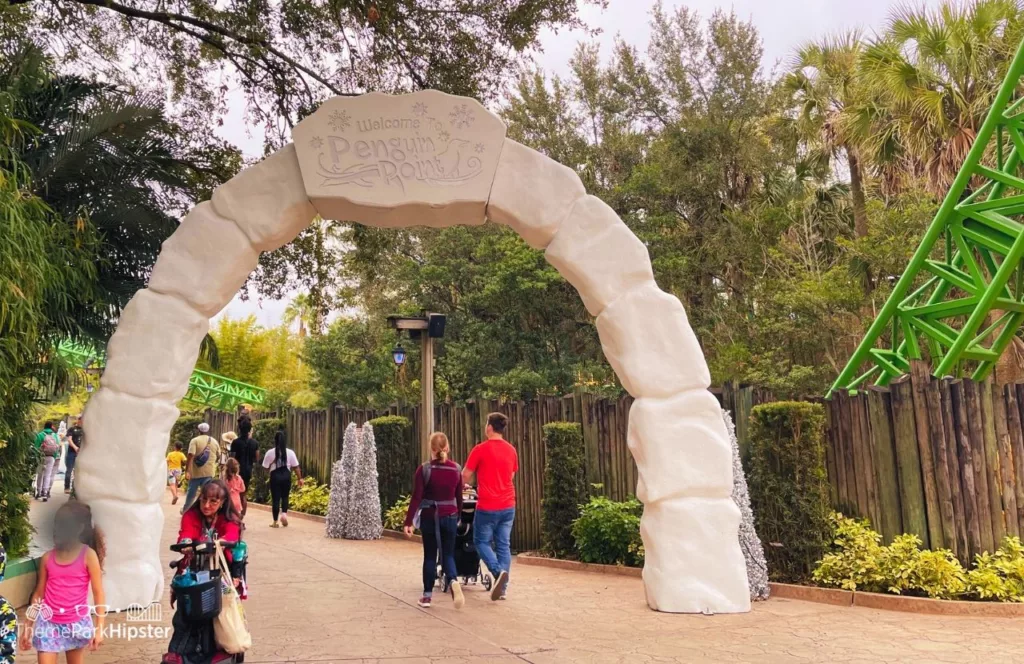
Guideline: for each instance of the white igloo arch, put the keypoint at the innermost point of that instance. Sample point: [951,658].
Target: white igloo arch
[432,159]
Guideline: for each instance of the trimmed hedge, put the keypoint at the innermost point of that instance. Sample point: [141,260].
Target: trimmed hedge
[396,458]
[608,532]
[789,486]
[263,431]
[565,485]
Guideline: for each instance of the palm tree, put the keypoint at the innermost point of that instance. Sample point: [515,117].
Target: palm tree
[108,159]
[302,309]
[933,75]
[824,84]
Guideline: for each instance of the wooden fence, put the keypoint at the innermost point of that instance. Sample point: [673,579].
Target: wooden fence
[942,459]
[316,436]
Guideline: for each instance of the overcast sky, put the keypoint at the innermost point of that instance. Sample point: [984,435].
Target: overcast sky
[783,24]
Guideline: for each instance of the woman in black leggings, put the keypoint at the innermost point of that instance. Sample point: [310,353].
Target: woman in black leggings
[281,462]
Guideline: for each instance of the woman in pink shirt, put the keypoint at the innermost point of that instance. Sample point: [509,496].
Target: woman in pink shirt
[60,616]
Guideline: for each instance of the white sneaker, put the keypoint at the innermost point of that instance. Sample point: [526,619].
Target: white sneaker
[460,599]
[284,519]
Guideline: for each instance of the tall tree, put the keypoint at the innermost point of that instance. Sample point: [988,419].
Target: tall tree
[824,83]
[287,57]
[110,159]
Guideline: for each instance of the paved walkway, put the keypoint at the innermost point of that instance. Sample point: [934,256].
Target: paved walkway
[319,600]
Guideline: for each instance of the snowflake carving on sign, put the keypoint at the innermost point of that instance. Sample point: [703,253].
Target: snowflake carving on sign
[444,136]
[461,117]
[316,142]
[479,147]
[339,120]
[419,109]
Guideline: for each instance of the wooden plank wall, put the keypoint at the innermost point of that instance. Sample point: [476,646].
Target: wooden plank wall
[316,436]
[942,459]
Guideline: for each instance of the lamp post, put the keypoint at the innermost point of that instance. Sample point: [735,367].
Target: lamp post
[426,328]
[398,354]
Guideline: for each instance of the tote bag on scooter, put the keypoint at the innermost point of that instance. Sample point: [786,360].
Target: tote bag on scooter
[229,628]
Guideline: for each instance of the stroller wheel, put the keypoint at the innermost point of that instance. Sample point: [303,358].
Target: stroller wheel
[487,581]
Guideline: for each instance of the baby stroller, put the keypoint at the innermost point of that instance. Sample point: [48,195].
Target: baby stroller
[467,560]
[196,596]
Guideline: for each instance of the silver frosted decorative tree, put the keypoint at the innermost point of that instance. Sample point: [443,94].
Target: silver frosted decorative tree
[354,508]
[753,552]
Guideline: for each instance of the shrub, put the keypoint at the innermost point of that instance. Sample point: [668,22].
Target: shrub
[858,561]
[608,532]
[394,516]
[565,485]
[396,457]
[17,468]
[789,486]
[311,498]
[184,430]
[259,486]
[1000,575]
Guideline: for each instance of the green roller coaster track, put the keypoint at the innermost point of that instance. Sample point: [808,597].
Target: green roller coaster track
[967,266]
[204,388]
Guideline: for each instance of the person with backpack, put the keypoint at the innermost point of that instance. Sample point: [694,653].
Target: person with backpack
[47,447]
[201,463]
[245,449]
[436,504]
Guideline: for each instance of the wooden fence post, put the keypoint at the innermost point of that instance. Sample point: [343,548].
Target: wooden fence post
[920,380]
[983,492]
[908,461]
[965,466]
[880,418]
[1005,461]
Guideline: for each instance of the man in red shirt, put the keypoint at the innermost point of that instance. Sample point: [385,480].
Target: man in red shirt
[494,462]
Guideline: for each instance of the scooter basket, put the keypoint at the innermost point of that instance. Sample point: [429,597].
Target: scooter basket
[200,601]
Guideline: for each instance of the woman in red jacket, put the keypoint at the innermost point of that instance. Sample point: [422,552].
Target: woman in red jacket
[213,511]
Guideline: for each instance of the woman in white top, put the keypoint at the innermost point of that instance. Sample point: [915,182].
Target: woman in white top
[281,462]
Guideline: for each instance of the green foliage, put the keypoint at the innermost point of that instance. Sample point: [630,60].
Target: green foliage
[999,576]
[858,561]
[565,485]
[184,430]
[287,58]
[394,516]
[243,349]
[608,532]
[263,431]
[47,277]
[310,498]
[789,487]
[397,457]
[352,365]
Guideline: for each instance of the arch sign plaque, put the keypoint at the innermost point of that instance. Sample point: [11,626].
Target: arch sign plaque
[430,159]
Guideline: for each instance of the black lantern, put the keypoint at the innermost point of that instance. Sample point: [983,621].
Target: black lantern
[398,353]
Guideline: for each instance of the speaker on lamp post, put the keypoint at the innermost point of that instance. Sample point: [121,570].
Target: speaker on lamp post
[435,325]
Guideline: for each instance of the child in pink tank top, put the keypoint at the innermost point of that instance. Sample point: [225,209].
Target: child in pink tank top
[60,615]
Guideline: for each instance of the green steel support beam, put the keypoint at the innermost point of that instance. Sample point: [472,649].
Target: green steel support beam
[205,389]
[970,229]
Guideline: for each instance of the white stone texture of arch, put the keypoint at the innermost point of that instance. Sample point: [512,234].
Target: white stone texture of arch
[437,160]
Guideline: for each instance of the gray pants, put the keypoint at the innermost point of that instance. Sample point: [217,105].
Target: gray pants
[44,475]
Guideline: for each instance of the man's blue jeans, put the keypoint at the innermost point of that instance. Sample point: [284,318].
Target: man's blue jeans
[494,527]
[194,485]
